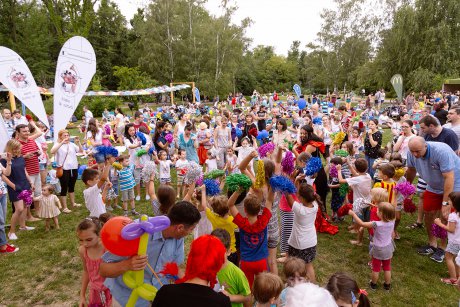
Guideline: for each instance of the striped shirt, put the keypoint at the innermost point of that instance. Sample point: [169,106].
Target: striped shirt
[389,186]
[32,166]
[126,178]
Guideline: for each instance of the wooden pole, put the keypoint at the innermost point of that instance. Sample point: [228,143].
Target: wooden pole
[172,94]
[193,92]
[12,101]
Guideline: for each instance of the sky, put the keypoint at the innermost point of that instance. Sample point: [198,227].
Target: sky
[275,22]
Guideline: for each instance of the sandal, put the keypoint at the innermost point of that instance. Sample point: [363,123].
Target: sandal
[415,226]
[449,281]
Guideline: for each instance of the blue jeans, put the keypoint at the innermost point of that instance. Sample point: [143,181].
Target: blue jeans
[2,219]
[370,162]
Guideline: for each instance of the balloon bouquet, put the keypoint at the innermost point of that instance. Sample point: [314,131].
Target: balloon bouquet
[124,237]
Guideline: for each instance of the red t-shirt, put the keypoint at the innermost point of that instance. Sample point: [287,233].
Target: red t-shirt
[32,166]
[142,124]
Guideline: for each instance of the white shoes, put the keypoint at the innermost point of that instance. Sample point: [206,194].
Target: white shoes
[138,197]
[27,228]
[147,197]
[12,236]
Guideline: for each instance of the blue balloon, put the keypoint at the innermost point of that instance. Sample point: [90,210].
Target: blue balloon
[81,169]
[238,132]
[262,135]
[330,105]
[301,103]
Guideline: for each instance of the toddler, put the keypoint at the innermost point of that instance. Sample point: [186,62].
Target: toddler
[181,167]
[49,206]
[295,273]
[346,292]
[163,200]
[165,167]
[231,166]
[94,182]
[126,184]
[211,162]
[267,289]
[244,150]
[334,185]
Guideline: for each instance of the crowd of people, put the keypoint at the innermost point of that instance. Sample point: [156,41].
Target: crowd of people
[242,236]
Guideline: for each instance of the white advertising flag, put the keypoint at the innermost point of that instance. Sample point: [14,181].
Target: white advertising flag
[76,67]
[3,135]
[16,76]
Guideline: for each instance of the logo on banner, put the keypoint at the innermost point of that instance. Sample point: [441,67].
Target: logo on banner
[18,78]
[70,79]
[297,90]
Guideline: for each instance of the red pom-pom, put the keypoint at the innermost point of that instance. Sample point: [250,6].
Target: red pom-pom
[344,210]
[409,206]
[29,118]
[253,132]
[170,268]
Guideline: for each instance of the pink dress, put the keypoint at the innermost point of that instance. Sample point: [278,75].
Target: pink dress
[99,295]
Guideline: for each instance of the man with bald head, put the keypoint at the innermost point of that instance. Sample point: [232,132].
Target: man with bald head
[439,166]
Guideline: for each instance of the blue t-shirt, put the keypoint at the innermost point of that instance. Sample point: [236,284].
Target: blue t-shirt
[159,251]
[447,136]
[439,159]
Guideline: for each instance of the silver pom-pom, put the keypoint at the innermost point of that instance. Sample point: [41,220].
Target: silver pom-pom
[194,171]
[149,168]
[111,194]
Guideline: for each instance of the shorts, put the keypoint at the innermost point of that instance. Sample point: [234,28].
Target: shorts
[307,255]
[137,175]
[120,131]
[115,187]
[37,181]
[399,207]
[432,201]
[378,264]
[180,180]
[165,180]
[421,186]
[453,248]
[127,195]
[252,268]
[42,166]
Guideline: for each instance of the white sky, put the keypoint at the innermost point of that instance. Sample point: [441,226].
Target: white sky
[275,22]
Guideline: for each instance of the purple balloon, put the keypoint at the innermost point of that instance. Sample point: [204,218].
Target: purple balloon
[153,224]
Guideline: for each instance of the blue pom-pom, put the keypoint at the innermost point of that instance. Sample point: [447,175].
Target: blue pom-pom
[282,184]
[212,187]
[330,105]
[151,150]
[141,137]
[317,121]
[104,151]
[262,135]
[239,132]
[313,166]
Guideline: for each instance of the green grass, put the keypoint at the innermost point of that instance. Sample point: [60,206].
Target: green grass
[47,269]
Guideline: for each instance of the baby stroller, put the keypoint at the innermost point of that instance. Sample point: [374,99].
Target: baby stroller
[394,110]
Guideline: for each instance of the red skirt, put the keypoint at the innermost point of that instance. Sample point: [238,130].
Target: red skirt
[202,154]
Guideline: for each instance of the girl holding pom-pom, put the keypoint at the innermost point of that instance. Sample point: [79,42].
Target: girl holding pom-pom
[165,166]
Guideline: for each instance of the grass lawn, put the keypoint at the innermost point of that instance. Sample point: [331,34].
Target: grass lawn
[47,270]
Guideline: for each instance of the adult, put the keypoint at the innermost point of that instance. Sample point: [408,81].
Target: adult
[94,134]
[262,118]
[434,132]
[139,121]
[314,145]
[223,141]
[248,126]
[30,151]
[454,121]
[133,144]
[372,144]
[344,118]
[164,246]
[18,119]
[158,139]
[9,122]
[234,124]
[410,101]
[17,181]
[119,125]
[402,143]
[66,157]
[416,114]
[88,115]
[440,112]
[189,144]
[180,125]
[281,135]
[377,99]
[5,248]
[439,166]
[41,143]
[195,289]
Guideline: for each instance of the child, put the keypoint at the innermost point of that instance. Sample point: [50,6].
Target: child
[220,218]
[361,185]
[382,159]
[346,292]
[91,251]
[231,280]
[163,200]
[53,180]
[181,168]
[126,184]
[382,248]
[453,238]
[334,185]
[49,206]
[211,162]
[398,178]
[165,167]
[112,203]
[244,150]
[386,174]
[93,182]
[356,139]
[231,165]
[295,272]
[267,289]
[253,233]
[198,198]
[303,240]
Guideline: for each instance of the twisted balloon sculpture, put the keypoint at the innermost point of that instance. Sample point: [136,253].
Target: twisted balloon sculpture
[135,279]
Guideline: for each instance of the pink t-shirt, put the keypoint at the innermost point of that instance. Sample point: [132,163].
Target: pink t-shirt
[284,206]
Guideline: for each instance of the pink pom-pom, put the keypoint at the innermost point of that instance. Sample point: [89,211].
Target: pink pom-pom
[438,232]
[199,181]
[26,196]
[169,138]
[288,163]
[333,171]
[265,149]
[405,188]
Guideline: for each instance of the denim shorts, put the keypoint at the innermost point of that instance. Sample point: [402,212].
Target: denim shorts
[42,166]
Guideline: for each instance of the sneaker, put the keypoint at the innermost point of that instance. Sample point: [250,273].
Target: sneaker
[387,287]
[147,197]
[76,205]
[9,249]
[12,236]
[134,212]
[372,285]
[438,255]
[66,210]
[426,250]
[26,228]
[125,213]
[109,208]
[138,197]
[449,281]
[117,207]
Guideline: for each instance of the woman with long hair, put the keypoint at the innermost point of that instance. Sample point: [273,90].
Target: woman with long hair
[158,137]
[372,144]
[119,125]
[94,134]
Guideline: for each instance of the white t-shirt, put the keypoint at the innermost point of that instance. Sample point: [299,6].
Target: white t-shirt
[93,201]
[120,118]
[70,161]
[361,186]
[88,116]
[52,175]
[97,138]
[165,169]
[303,233]
[404,149]
[454,237]
[132,151]
[39,141]
[181,165]
[211,164]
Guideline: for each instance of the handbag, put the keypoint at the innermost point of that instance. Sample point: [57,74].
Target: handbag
[60,169]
